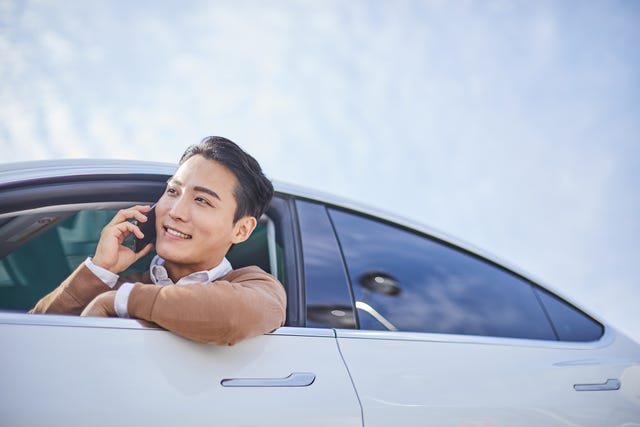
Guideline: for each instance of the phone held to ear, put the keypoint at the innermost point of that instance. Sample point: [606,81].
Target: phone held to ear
[148,229]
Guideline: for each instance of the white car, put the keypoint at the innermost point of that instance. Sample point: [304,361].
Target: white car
[388,324]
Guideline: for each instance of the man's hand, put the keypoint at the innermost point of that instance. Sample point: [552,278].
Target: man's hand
[111,254]
[101,306]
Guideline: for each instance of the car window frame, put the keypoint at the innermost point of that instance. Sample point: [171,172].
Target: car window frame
[114,191]
[309,210]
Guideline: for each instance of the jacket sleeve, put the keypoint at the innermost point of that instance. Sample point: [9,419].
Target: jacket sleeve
[245,303]
[73,295]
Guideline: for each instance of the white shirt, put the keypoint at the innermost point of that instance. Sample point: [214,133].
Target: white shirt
[159,276]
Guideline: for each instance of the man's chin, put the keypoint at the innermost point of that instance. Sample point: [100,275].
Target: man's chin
[168,254]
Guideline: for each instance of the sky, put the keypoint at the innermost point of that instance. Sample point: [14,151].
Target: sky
[511,125]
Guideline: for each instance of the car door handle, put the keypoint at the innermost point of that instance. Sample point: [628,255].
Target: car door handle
[610,384]
[296,379]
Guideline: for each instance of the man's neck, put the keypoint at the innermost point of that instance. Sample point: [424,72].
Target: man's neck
[178,271]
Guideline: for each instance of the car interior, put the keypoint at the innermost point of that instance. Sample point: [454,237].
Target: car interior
[41,247]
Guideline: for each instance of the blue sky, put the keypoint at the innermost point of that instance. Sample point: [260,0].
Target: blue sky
[512,125]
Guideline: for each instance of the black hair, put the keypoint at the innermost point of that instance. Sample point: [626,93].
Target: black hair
[253,191]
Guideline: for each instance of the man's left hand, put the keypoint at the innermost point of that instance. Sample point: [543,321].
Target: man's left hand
[102,306]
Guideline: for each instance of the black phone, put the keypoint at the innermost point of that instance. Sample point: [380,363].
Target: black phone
[148,229]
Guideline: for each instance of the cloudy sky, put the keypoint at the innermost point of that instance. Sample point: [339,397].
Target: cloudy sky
[512,125]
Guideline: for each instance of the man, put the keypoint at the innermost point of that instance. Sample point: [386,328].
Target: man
[212,202]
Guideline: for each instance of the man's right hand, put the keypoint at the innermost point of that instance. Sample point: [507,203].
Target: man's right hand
[111,254]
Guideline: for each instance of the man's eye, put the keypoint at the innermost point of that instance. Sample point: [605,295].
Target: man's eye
[171,191]
[202,200]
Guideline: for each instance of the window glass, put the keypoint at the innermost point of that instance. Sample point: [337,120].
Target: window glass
[329,303]
[406,281]
[570,324]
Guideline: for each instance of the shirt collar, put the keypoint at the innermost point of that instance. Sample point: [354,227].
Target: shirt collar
[159,274]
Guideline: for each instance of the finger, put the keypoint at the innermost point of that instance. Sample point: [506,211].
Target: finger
[124,229]
[86,310]
[144,251]
[135,212]
[91,310]
[141,210]
[134,229]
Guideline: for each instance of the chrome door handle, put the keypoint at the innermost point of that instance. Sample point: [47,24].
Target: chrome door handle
[610,384]
[296,379]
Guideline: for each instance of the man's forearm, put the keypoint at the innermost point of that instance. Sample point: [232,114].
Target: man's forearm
[249,302]
[73,295]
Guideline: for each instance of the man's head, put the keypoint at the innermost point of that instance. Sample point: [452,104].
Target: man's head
[212,202]
[254,190]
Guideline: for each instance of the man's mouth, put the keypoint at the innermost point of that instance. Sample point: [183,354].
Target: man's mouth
[177,233]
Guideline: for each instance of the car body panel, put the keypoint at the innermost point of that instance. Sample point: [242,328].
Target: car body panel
[469,381]
[91,372]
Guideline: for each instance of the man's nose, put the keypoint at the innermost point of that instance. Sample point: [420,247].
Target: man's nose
[179,209]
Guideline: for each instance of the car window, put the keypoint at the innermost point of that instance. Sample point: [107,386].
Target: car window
[50,253]
[569,323]
[259,249]
[328,301]
[45,260]
[406,281]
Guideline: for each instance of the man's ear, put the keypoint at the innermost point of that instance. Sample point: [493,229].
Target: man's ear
[243,229]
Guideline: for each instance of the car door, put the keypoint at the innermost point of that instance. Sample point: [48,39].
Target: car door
[105,372]
[71,370]
[452,381]
[449,339]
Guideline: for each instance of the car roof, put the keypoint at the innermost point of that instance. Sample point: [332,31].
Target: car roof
[20,173]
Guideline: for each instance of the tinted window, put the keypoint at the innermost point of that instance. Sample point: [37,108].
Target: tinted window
[570,324]
[329,303]
[405,280]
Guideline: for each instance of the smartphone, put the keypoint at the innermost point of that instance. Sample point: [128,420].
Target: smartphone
[148,229]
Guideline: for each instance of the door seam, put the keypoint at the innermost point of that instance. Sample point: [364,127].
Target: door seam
[355,389]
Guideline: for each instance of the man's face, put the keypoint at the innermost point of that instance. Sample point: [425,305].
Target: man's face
[194,217]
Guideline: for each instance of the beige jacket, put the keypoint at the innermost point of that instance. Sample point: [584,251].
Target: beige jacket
[245,303]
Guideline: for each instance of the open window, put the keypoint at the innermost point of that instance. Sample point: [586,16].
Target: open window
[259,249]
[40,248]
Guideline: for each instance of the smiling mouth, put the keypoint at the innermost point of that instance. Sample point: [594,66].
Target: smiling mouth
[176,233]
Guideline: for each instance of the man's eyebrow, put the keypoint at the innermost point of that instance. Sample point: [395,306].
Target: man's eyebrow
[208,191]
[196,188]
